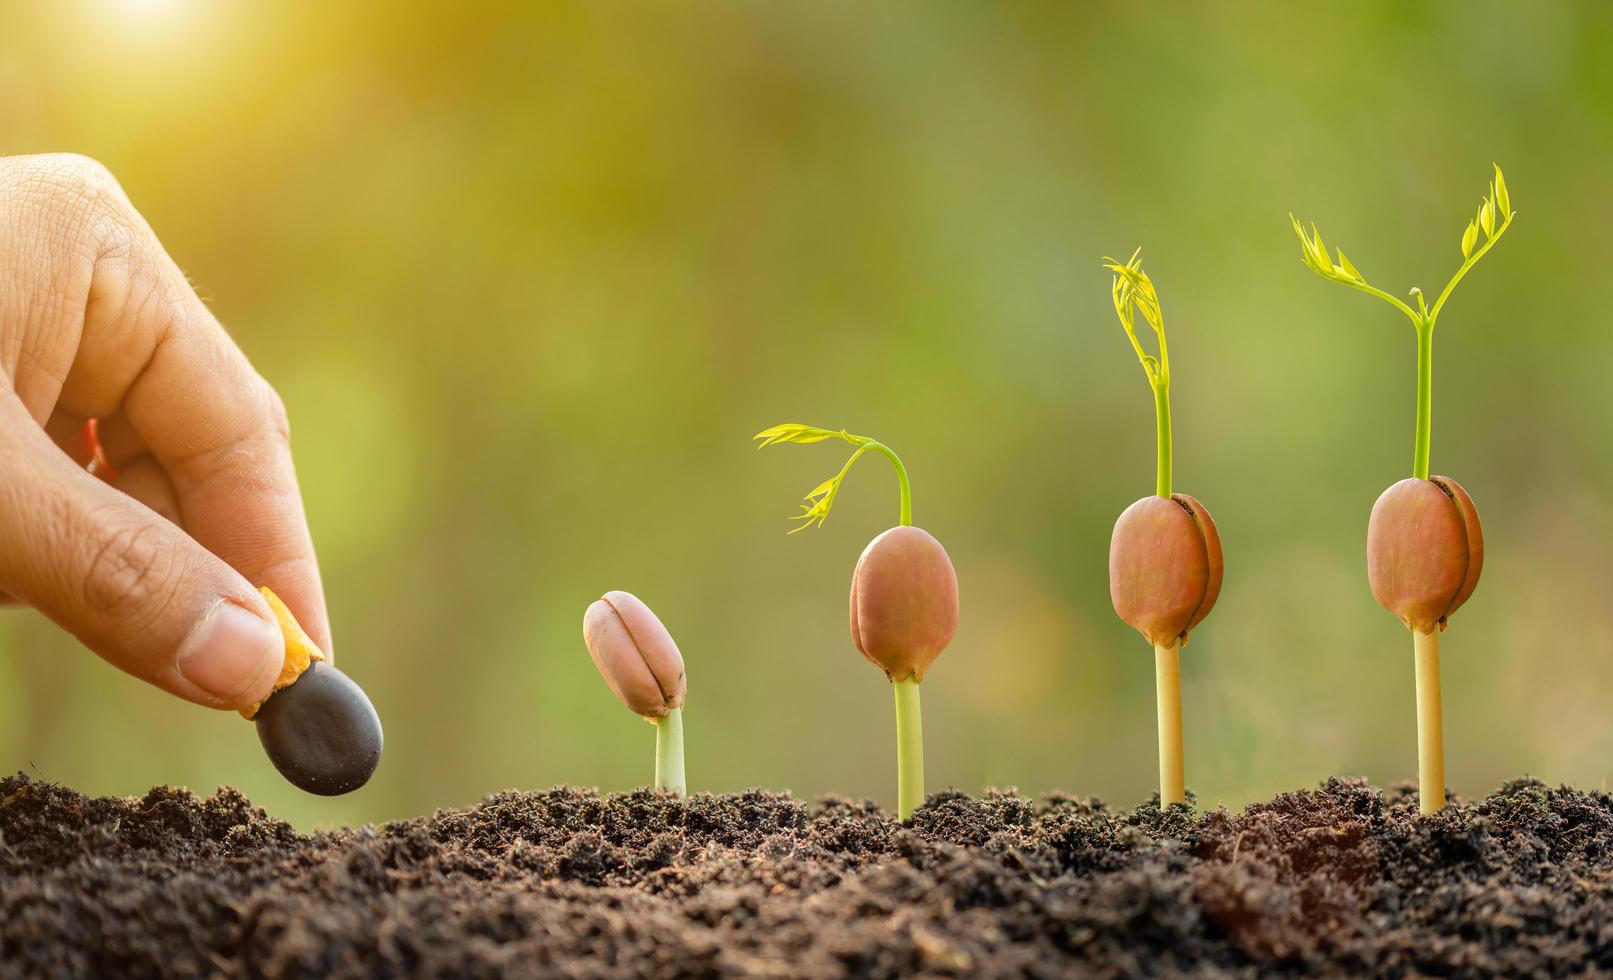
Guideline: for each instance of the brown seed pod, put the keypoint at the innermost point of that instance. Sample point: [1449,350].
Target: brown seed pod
[635,654]
[1164,567]
[904,602]
[1425,550]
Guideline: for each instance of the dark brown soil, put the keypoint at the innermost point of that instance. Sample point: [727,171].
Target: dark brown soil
[1342,880]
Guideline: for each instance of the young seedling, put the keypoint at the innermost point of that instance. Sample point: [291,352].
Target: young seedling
[317,726]
[644,669]
[904,599]
[1425,547]
[1165,555]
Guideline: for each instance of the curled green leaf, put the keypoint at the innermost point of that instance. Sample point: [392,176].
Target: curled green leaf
[797,433]
[820,499]
[1134,293]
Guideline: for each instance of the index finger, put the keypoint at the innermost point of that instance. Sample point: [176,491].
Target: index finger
[151,349]
[220,432]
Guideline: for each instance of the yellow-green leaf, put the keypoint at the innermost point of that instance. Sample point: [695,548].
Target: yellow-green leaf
[1319,251]
[1487,218]
[1469,238]
[797,433]
[1306,249]
[1503,200]
[1349,268]
[823,488]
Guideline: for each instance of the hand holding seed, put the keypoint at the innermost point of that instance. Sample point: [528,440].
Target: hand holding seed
[149,557]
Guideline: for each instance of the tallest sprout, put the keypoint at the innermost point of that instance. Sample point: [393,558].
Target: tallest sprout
[1165,556]
[1425,546]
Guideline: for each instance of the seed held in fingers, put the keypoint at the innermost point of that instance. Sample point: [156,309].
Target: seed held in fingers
[322,732]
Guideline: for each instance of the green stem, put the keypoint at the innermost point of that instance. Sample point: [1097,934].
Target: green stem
[1162,421]
[901,479]
[1425,397]
[669,753]
[909,748]
[1472,260]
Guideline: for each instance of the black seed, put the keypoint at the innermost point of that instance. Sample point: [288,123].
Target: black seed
[322,733]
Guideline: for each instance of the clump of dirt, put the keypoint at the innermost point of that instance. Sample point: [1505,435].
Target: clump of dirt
[1341,880]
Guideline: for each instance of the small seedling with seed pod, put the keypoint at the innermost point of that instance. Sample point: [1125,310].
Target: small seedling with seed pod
[1425,547]
[1165,555]
[904,599]
[636,656]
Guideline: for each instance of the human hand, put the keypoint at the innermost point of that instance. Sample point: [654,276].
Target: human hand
[153,563]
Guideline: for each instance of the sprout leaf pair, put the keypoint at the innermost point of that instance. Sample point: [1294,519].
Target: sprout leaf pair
[1425,546]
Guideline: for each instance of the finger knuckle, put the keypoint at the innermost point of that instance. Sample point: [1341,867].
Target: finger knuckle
[79,173]
[129,574]
[77,199]
[278,419]
[73,181]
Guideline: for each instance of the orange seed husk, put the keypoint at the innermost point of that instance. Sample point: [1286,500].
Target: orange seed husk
[300,650]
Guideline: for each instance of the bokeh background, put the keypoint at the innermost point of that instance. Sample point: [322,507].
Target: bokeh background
[529,277]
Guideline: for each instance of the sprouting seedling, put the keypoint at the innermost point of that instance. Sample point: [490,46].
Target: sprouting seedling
[1425,546]
[636,656]
[1165,555]
[904,599]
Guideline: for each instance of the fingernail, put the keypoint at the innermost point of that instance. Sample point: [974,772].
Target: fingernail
[229,650]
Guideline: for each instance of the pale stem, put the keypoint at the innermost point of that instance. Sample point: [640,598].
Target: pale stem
[909,748]
[1430,724]
[1168,693]
[669,753]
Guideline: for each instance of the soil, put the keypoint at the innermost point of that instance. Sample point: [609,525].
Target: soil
[1343,880]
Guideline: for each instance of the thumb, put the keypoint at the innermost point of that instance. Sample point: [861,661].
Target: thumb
[134,587]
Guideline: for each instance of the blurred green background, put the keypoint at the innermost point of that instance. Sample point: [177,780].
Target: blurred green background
[530,279]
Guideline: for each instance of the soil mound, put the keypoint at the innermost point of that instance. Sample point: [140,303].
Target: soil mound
[1344,879]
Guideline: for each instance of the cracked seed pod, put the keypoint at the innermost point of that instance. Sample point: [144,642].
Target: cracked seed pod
[635,654]
[1425,550]
[904,602]
[1164,567]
